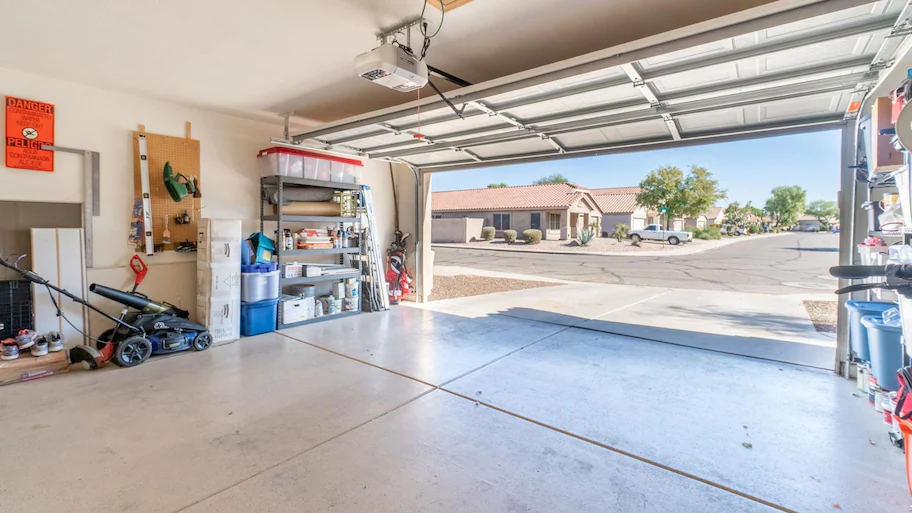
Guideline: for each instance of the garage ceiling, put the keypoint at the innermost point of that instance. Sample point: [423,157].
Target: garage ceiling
[264,58]
[798,71]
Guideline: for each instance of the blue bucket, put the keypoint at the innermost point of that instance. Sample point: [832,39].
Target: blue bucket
[887,354]
[858,334]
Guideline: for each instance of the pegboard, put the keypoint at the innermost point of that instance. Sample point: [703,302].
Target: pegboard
[184,156]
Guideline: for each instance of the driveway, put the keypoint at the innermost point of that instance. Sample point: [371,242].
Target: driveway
[789,264]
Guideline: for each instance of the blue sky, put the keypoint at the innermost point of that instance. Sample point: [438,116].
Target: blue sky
[748,170]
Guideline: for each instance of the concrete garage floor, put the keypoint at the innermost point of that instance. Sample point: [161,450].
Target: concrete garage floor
[414,410]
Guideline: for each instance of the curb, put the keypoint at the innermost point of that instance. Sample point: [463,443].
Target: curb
[636,254]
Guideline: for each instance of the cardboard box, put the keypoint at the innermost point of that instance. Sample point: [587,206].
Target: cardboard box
[885,157]
[28,367]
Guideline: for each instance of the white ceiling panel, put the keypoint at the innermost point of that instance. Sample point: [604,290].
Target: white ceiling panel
[798,75]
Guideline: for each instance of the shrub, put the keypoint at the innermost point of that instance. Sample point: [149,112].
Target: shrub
[635,242]
[532,236]
[691,229]
[585,236]
[509,235]
[487,233]
[708,234]
[754,229]
[620,231]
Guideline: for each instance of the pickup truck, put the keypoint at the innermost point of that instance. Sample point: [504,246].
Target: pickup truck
[656,232]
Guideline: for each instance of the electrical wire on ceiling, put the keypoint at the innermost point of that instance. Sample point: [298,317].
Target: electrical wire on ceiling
[423,27]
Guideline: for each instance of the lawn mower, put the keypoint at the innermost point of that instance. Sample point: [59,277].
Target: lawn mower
[145,327]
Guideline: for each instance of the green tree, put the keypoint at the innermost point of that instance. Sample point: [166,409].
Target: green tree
[737,215]
[785,204]
[825,211]
[681,196]
[755,211]
[500,185]
[555,178]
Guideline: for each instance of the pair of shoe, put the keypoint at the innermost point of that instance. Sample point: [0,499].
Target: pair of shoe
[38,345]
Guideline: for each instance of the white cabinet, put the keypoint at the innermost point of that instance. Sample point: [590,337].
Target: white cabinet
[218,274]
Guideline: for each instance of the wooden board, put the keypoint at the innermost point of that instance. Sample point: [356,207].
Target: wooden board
[71,272]
[449,4]
[28,367]
[58,254]
[184,156]
[44,263]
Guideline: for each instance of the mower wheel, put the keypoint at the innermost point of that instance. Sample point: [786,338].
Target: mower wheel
[202,341]
[103,339]
[132,351]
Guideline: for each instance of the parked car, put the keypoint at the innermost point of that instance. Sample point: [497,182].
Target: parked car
[736,231]
[812,228]
[656,232]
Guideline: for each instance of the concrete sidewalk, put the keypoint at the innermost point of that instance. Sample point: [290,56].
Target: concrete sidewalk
[692,248]
[767,326]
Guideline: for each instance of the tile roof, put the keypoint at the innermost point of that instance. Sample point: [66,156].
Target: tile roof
[713,212]
[558,195]
[616,200]
[615,190]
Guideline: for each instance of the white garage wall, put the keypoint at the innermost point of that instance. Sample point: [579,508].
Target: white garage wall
[96,119]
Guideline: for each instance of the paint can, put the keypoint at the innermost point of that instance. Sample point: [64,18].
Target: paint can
[887,406]
[351,288]
[338,290]
[337,304]
[872,388]
[350,304]
[879,401]
[862,378]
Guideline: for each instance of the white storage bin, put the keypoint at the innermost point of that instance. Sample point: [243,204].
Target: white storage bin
[222,317]
[218,280]
[259,286]
[295,309]
[280,162]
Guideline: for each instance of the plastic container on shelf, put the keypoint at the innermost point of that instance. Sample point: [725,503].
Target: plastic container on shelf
[258,318]
[337,171]
[858,334]
[323,170]
[296,309]
[885,342]
[305,290]
[280,162]
[257,287]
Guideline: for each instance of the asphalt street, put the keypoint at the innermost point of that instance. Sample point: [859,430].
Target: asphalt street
[789,264]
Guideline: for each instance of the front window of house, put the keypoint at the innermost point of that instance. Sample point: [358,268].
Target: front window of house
[501,221]
[554,222]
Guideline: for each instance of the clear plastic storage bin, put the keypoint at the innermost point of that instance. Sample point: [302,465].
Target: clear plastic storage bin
[280,162]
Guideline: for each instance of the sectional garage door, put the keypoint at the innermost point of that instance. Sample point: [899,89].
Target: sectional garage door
[806,74]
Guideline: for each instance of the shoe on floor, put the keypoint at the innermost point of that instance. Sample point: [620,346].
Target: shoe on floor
[10,349]
[40,346]
[55,342]
[25,339]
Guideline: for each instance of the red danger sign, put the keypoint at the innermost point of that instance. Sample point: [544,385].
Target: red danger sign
[29,125]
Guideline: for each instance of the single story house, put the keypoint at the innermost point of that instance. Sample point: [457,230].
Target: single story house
[715,215]
[619,205]
[698,222]
[810,223]
[558,210]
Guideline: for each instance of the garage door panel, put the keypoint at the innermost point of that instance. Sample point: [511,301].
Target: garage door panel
[438,157]
[798,107]
[512,148]
[708,120]
[632,131]
[604,97]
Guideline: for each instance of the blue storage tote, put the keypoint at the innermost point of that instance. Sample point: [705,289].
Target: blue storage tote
[858,334]
[260,317]
[887,352]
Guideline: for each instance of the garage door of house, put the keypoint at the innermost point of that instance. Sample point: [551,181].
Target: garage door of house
[638,223]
